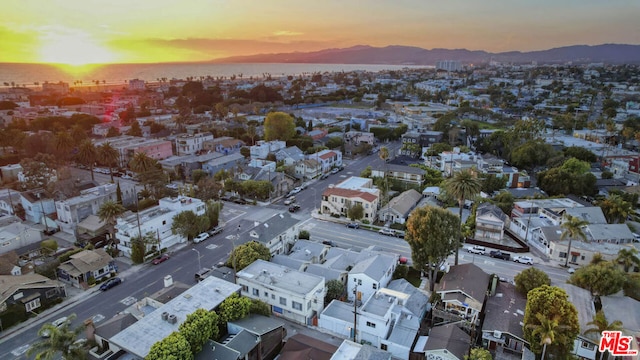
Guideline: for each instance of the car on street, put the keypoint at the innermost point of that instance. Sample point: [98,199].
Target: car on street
[160,259]
[571,270]
[328,242]
[387,232]
[110,283]
[290,200]
[324,176]
[335,170]
[216,230]
[353,225]
[294,208]
[523,260]
[58,323]
[480,250]
[201,237]
[500,255]
[402,260]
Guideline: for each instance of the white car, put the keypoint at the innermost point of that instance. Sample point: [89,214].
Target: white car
[290,200]
[480,250]
[523,260]
[57,323]
[571,270]
[296,190]
[386,231]
[201,237]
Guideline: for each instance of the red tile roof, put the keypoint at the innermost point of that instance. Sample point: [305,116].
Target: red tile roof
[328,155]
[348,193]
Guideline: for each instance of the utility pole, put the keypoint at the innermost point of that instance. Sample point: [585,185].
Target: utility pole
[355,312]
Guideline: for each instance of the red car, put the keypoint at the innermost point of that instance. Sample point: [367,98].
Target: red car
[159,259]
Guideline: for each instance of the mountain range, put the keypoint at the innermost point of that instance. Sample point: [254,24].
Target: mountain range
[409,55]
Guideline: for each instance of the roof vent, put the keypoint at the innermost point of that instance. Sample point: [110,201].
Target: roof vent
[172,319]
[165,315]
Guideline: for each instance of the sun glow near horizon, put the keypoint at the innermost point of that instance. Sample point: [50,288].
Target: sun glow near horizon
[74,49]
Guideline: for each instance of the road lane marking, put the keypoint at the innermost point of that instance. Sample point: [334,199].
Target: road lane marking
[128,301]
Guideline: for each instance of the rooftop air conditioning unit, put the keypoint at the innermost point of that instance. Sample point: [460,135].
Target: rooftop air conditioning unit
[172,319]
[165,315]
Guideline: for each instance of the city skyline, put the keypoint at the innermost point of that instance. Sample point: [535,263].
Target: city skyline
[79,32]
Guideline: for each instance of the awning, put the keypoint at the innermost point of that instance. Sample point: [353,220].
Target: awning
[29,298]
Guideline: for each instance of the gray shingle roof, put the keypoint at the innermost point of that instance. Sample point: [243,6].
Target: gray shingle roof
[273,227]
[417,301]
[403,203]
[449,337]
[468,278]
[505,311]
[622,308]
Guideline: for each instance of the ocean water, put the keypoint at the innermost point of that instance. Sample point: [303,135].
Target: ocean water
[28,74]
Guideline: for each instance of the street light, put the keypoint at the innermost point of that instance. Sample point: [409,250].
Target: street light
[233,252]
[199,264]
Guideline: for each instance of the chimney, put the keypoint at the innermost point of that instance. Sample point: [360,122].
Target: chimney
[89,329]
[168,281]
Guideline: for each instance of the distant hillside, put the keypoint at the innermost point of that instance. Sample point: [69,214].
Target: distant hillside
[408,55]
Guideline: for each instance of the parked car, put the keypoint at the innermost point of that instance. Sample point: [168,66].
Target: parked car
[160,259]
[327,242]
[480,250]
[57,323]
[403,260]
[523,260]
[324,176]
[201,237]
[110,283]
[571,270]
[294,208]
[353,225]
[296,190]
[500,255]
[216,230]
[304,186]
[386,231]
[290,200]
[335,170]
[172,186]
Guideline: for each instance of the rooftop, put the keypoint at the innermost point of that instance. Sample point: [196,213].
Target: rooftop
[505,311]
[279,276]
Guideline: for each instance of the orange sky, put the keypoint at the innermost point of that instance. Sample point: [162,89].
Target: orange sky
[126,31]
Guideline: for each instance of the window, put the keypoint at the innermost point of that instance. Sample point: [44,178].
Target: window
[245,288]
[51,293]
[563,255]
[587,345]
[256,292]
[283,301]
[309,304]
[33,304]
[359,282]
[383,347]
[375,286]
[164,222]
[370,324]
[296,305]
[273,296]
[266,294]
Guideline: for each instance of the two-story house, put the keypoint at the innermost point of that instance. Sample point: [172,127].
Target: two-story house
[350,192]
[308,169]
[490,222]
[328,159]
[87,264]
[408,174]
[504,314]
[74,210]
[463,290]
[37,206]
[292,294]
[399,208]
[30,292]
[370,274]
[224,145]
[189,144]
[277,233]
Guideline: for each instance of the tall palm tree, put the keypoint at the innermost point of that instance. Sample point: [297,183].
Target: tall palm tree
[108,155]
[601,324]
[63,143]
[87,155]
[615,209]
[628,258]
[463,185]
[546,330]
[572,229]
[59,340]
[141,162]
[108,213]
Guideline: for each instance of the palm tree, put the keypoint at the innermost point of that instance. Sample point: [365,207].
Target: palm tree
[628,258]
[600,324]
[108,213]
[141,162]
[615,209]
[572,230]
[87,155]
[546,330]
[63,144]
[463,185]
[108,155]
[59,340]
[597,259]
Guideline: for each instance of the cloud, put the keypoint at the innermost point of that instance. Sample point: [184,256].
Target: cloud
[287,33]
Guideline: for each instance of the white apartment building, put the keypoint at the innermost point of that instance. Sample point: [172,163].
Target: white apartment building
[262,148]
[74,210]
[292,294]
[189,144]
[156,220]
[350,192]
[371,274]
[328,159]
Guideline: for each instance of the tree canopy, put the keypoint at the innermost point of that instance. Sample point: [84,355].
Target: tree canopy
[279,126]
[188,224]
[234,307]
[173,347]
[604,278]
[529,279]
[248,253]
[200,326]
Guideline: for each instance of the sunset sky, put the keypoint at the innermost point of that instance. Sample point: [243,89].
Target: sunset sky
[134,31]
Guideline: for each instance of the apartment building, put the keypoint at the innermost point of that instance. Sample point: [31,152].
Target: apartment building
[189,144]
[127,146]
[156,220]
[351,192]
[74,210]
[292,294]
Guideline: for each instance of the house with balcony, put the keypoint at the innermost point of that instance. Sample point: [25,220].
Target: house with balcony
[85,265]
[291,294]
[157,221]
[308,169]
[463,290]
[328,159]
[278,233]
[353,191]
[262,148]
[190,144]
[490,222]
[407,174]
[399,208]
[29,292]
[502,327]
[370,274]
[74,210]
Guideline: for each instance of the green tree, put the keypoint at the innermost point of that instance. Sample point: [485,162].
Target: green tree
[479,354]
[212,212]
[491,183]
[580,154]
[200,326]
[366,173]
[600,279]
[355,212]
[615,209]
[335,290]
[234,307]
[247,254]
[112,132]
[37,171]
[632,286]
[108,213]
[628,258]
[462,186]
[260,308]
[64,144]
[108,155]
[198,175]
[531,278]
[572,229]
[173,347]
[135,129]
[188,224]
[546,331]
[59,341]
[279,126]
[304,234]
[245,151]
[601,324]
[531,154]
[141,162]
[576,166]
[432,233]
[550,304]
[504,200]
[87,155]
